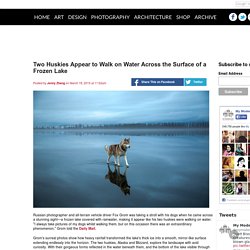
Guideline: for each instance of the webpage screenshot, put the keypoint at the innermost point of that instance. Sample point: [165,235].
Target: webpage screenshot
[126,128]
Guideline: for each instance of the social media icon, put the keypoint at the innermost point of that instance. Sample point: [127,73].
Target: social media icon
[249,17]
[188,82]
[233,17]
[242,17]
[241,117]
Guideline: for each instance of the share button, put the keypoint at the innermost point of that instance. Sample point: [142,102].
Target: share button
[195,82]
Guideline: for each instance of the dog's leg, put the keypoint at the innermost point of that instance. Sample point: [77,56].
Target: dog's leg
[115,157]
[118,160]
[126,160]
[108,159]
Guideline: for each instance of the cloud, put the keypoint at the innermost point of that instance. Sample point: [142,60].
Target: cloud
[94,107]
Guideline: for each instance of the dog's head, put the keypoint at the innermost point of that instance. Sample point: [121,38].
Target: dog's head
[126,143]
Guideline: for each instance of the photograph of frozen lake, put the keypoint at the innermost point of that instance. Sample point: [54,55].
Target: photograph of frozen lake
[168,155]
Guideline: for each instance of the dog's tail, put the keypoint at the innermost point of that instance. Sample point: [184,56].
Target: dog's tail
[106,148]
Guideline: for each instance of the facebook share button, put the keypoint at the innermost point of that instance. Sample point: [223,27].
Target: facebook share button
[233,17]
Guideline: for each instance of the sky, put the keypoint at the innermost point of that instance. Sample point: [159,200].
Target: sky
[114,107]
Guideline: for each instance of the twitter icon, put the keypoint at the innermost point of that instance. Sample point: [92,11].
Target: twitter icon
[242,17]
[195,81]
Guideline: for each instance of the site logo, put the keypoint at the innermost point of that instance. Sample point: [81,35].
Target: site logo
[233,234]
[233,17]
[228,115]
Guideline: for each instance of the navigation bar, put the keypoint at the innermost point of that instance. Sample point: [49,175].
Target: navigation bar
[124,16]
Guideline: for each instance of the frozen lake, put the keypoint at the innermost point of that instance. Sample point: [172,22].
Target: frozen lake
[168,168]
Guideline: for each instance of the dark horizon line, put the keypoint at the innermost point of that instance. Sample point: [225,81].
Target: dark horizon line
[127,125]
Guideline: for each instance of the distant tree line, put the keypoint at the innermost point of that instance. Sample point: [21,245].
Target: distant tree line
[203,124]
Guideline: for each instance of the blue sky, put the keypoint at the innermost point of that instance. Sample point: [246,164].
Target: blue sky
[113,107]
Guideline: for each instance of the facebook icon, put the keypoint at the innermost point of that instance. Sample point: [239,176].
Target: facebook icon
[135,81]
[233,17]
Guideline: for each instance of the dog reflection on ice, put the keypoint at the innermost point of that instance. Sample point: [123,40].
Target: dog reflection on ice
[118,179]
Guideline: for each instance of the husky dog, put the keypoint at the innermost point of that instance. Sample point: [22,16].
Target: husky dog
[118,150]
